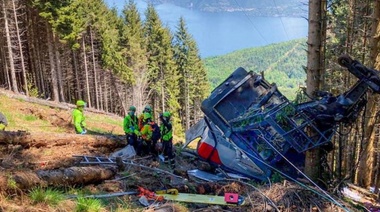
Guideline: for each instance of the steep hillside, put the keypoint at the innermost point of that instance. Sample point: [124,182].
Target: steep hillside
[281,63]
[39,172]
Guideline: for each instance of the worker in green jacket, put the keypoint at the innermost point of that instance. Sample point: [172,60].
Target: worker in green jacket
[3,121]
[78,118]
[130,126]
[166,129]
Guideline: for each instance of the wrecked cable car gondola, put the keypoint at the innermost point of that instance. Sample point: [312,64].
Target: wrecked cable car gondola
[251,129]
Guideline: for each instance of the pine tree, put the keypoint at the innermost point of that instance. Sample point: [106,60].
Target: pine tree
[193,78]
[161,66]
[134,50]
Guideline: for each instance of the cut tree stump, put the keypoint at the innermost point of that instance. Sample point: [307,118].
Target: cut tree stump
[73,176]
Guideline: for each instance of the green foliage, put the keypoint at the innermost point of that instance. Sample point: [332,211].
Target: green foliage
[11,183]
[88,205]
[48,196]
[193,83]
[281,63]
[276,177]
[30,118]
[32,89]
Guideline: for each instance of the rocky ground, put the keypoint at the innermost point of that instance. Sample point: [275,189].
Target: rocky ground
[38,148]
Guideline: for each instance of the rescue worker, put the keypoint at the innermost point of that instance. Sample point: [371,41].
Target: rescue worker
[130,127]
[78,118]
[3,121]
[146,134]
[147,109]
[166,129]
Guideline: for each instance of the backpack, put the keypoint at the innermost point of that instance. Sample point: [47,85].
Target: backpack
[156,134]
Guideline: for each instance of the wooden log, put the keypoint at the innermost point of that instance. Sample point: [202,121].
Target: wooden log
[73,176]
[42,139]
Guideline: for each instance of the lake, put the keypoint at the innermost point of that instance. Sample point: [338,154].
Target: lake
[225,32]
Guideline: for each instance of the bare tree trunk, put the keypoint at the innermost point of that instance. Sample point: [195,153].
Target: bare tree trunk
[32,51]
[162,97]
[23,69]
[86,73]
[53,72]
[118,92]
[10,52]
[41,71]
[78,90]
[4,64]
[106,96]
[94,69]
[366,164]
[101,91]
[187,101]
[139,88]
[314,57]
[59,69]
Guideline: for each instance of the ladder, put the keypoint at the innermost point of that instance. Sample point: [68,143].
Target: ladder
[95,160]
[92,160]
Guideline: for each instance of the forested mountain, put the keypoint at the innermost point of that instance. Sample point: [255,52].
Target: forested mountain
[281,63]
[256,8]
[68,50]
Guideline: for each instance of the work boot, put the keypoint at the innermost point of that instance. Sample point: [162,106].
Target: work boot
[172,163]
[166,160]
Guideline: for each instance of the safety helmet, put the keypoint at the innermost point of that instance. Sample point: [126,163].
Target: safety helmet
[148,108]
[147,116]
[166,114]
[81,103]
[132,108]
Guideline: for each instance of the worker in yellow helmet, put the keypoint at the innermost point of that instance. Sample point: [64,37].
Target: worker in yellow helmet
[78,118]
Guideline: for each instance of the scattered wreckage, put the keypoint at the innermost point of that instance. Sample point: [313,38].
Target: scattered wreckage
[252,130]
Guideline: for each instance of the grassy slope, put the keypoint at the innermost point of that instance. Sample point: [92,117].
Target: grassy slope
[26,116]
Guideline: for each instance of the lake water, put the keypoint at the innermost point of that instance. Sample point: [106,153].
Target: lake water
[222,33]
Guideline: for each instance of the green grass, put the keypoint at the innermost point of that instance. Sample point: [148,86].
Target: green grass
[88,205]
[48,196]
[105,119]
[11,183]
[30,118]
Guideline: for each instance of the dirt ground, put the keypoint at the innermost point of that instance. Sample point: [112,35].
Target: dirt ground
[43,139]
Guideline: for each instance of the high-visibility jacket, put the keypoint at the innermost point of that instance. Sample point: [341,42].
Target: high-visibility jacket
[141,120]
[146,132]
[130,124]
[78,120]
[166,131]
